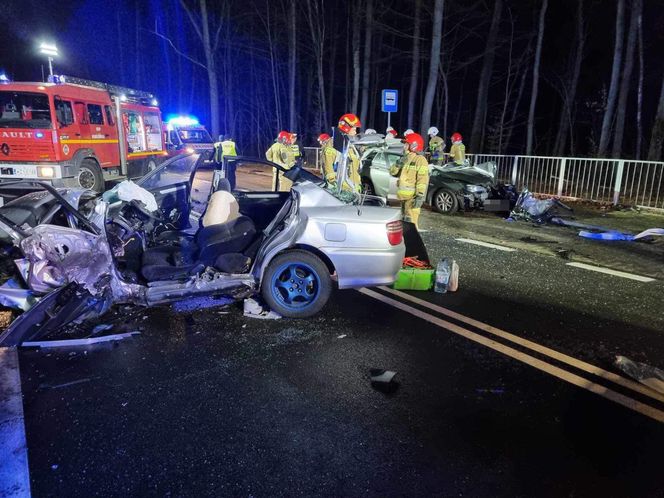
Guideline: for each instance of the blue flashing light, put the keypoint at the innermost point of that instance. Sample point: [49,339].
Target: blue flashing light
[4,78]
[182,121]
[39,134]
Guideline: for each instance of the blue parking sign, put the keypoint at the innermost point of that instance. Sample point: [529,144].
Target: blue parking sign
[390,100]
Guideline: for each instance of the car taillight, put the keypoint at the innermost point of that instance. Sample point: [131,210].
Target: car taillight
[395,232]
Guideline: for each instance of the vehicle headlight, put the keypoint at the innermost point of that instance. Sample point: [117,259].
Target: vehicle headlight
[475,189]
[46,172]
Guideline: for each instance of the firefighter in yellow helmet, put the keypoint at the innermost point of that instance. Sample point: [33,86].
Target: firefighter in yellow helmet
[413,173]
[458,149]
[329,156]
[281,154]
[348,125]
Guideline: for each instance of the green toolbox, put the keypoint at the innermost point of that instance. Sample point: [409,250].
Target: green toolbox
[414,279]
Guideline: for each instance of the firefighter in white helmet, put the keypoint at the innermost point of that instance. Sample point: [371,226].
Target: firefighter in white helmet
[436,145]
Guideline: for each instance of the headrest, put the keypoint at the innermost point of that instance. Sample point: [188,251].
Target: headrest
[222,208]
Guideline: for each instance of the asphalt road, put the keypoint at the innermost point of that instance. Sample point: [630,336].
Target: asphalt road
[211,403]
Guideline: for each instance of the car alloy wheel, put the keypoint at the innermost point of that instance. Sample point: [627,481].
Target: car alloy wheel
[295,285]
[444,201]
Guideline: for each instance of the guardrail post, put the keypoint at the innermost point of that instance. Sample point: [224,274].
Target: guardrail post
[515,169]
[617,183]
[561,176]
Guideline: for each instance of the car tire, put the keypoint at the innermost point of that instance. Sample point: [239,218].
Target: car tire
[445,201]
[367,187]
[296,284]
[89,176]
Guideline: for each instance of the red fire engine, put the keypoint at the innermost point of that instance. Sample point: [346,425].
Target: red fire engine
[67,132]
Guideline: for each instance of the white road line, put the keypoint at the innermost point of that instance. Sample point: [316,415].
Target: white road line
[487,244]
[551,353]
[615,273]
[543,366]
[14,472]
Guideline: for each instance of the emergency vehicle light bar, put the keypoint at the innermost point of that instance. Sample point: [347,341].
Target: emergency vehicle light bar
[114,90]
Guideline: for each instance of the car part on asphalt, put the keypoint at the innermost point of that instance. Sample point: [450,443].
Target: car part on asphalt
[253,309]
[647,375]
[383,380]
[89,341]
[529,208]
[646,235]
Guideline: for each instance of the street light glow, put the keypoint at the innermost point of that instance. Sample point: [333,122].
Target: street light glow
[48,49]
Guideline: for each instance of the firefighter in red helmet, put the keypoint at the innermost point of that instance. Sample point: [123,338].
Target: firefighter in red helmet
[413,173]
[281,153]
[458,149]
[329,157]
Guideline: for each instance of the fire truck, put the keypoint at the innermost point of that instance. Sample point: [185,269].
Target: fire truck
[77,133]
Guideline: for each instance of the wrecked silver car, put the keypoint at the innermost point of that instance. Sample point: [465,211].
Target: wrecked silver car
[190,228]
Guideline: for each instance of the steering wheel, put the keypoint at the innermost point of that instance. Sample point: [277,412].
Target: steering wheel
[139,206]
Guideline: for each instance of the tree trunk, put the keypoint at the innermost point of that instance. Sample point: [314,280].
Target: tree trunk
[570,86]
[356,63]
[479,123]
[292,66]
[415,65]
[316,23]
[613,88]
[533,94]
[657,135]
[639,92]
[515,108]
[332,72]
[436,40]
[366,69]
[211,71]
[625,80]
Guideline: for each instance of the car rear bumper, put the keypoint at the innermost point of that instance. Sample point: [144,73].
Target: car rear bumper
[365,267]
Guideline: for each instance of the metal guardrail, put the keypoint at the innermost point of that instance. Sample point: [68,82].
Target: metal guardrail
[617,181]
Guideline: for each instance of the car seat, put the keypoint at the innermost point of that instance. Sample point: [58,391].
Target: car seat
[222,238]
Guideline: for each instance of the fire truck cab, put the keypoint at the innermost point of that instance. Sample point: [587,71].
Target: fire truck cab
[186,134]
[77,133]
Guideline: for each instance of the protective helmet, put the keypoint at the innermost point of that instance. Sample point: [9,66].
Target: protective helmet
[433,131]
[391,131]
[283,137]
[407,132]
[415,142]
[456,137]
[323,137]
[349,121]
[370,131]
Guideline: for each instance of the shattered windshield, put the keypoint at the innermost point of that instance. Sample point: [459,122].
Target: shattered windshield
[24,110]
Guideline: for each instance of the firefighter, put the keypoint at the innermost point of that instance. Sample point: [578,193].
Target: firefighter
[413,173]
[297,154]
[281,154]
[348,125]
[436,145]
[225,146]
[329,157]
[390,132]
[458,149]
[407,132]
[369,131]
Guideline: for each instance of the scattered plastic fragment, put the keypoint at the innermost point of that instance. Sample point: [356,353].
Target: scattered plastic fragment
[101,328]
[254,309]
[65,343]
[647,375]
[614,235]
[342,336]
[383,380]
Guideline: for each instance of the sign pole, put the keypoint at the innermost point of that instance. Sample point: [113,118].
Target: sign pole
[388,119]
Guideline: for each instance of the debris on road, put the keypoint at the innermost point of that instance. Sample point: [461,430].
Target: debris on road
[200,302]
[647,375]
[66,343]
[342,336]
[383,380]
[607,234]
[102,327]
[529,208]
[254,309]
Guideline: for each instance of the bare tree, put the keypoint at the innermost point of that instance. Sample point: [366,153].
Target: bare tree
[570,86]
[476,136]
[356,61]
[210,44]
[639,91]
[615,75]
[317,25]
[657,135]
[415,64]
[536,66]
[366,66]
[434,62]
[292,60]
[625,80]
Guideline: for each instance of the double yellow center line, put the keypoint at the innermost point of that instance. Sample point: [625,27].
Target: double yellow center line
[553,370]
